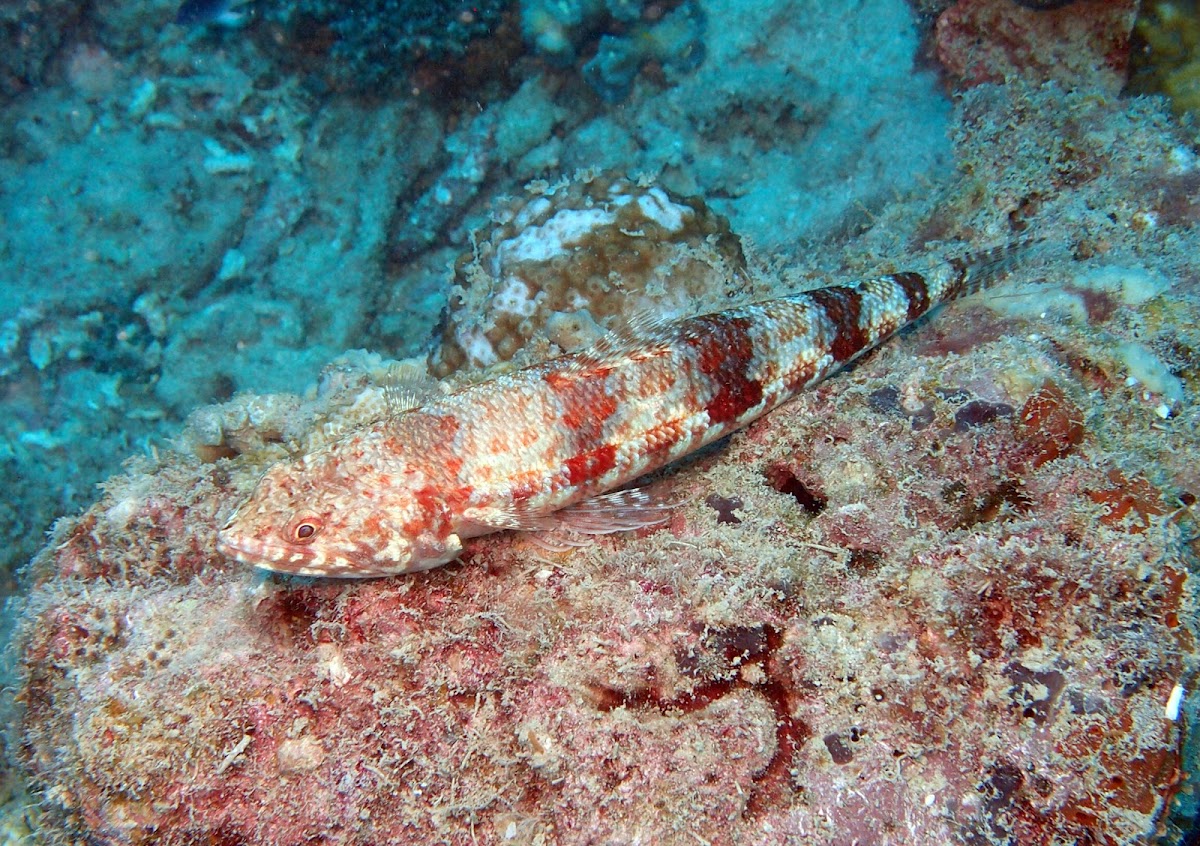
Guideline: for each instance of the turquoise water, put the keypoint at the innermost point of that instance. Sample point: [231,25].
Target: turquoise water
[229,204]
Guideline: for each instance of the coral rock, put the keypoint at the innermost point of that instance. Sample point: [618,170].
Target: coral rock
[1083,43]
[571,260]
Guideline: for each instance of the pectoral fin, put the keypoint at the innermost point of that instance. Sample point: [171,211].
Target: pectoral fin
[616,511]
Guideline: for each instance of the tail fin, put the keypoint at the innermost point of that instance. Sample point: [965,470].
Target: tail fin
[982,269]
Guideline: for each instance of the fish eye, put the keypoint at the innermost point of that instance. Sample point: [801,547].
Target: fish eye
[304,529]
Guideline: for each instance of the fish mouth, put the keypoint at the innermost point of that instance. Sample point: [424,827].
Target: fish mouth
[299,561]
[262,554]
[250,551]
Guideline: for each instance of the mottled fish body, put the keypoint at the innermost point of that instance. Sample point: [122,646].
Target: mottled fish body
[551,444]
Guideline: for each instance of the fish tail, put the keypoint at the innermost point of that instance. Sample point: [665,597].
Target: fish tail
[980,270]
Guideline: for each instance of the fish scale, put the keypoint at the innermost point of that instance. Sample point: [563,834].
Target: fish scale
[552,444]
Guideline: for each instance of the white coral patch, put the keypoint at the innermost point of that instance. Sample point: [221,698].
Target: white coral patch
[531,212]
[331,664]
[296,756]
[1134,285]
[1181,159]
[476,345]
[516,298]
[1174,701]
[657,206]
[1149,370]
[552,238]
[222,161]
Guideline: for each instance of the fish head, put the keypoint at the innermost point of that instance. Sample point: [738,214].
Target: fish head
[314,516]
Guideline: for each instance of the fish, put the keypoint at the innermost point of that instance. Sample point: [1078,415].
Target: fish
[226,13]
[554,445]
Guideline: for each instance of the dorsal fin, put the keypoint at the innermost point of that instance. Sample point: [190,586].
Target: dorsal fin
[405,389]
[636,333]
